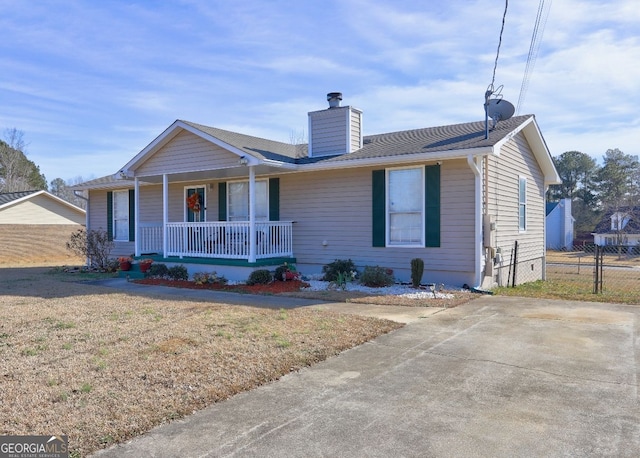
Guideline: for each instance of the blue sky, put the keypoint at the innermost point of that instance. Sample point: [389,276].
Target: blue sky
[92,83]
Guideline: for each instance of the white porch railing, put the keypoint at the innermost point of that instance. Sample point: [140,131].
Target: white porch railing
[220,239]
[150,237]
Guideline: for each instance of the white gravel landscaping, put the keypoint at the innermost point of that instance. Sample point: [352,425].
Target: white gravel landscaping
[395,290]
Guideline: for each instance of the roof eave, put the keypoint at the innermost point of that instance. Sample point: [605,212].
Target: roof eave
[534,137]
[404,159]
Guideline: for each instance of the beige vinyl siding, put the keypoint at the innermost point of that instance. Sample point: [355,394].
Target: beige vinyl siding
[517,160]
[346,225]
[41,210]
[329,131]
[187,152]
[356,130]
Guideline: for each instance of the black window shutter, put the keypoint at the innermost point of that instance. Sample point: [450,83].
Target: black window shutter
[222,201]
[110,215]
[274,199]
[378,208]
[132,215]
[432,205]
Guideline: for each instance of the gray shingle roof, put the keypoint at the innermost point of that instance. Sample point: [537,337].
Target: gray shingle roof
[428,140]
[255,146]
[8,197]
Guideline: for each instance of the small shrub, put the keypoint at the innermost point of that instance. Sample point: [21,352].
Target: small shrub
[280,273]
[158,270]
[259,277]
[178,272]
[417,269]
[343,267]
[208,278]
[93,245]
[377,277]
[112,265]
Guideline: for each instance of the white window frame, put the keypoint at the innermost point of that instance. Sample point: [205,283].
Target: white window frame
[123,220]
[388,213]
[522,203]
[258,217]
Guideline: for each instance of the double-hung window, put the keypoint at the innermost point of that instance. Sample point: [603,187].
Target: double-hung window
[238,200]
[522,204]
[121,215]
[405,206]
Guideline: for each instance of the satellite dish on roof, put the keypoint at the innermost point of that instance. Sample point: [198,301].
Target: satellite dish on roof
[499,110]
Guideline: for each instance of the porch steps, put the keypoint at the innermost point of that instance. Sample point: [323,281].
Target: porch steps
[134,273]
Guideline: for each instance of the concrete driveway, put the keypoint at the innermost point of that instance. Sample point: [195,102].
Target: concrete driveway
[498,377]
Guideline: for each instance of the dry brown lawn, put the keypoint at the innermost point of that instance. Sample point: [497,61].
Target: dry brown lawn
[102,366]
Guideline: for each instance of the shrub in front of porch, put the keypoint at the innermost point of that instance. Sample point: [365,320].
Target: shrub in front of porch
[178,272]
[260,277]
[208,278]
[158,270]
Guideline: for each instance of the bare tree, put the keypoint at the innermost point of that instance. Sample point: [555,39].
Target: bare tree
[299,140]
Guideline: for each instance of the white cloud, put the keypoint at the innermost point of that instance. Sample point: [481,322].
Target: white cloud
[91,84]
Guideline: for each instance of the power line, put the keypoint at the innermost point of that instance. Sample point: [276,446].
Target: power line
[495,65]
[534,47]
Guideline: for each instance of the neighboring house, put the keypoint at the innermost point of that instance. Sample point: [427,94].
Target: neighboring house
[445,194]
[560,224]
[619,227]
[35,227]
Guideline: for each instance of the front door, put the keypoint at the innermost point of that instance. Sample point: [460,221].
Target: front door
[196,205]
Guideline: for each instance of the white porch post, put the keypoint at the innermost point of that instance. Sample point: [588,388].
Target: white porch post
[165,212]
[136,222]
[252,214]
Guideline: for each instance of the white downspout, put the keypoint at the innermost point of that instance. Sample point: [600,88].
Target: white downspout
[475,167]
[165,212]
[252,214]
[86,217]
[136,222]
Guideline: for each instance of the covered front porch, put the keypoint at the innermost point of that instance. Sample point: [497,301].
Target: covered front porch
[241,240]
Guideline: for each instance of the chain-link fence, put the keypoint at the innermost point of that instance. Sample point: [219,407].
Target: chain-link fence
[611,269]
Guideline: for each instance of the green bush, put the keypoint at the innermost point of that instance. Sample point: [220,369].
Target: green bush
[158,270]
[279,273]
[204,278]
[417,269]
[178,272]
[259,277]
[344,267]
[377,277]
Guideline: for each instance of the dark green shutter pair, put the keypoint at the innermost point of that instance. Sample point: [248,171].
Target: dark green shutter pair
[431,207]
[274,200]
[132,215]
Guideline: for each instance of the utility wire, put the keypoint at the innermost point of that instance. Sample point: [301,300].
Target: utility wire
[495,65]
[534,47]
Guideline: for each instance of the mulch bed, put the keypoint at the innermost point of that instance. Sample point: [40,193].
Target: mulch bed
[276,287]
